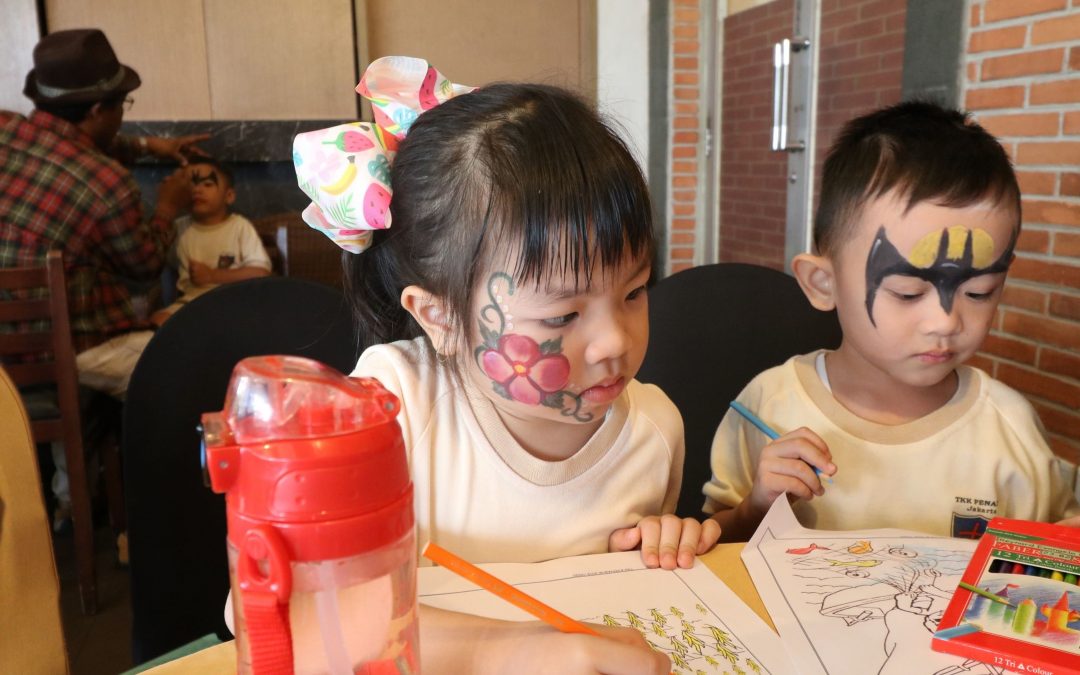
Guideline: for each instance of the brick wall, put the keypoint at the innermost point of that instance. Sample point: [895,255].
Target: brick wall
[1022,80]
[860,68]
[686,134]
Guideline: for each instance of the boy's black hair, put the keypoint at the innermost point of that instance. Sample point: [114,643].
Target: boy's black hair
[925,152]
[222,170]
[523,176]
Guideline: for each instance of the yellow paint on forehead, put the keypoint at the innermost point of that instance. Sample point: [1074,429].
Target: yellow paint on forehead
[925,251]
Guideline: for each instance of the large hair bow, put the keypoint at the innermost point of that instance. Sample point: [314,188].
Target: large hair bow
[345,170]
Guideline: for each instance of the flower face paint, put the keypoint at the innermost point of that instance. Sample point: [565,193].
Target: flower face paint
[558,352]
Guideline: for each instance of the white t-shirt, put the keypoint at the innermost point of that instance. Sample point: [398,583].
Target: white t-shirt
[980,455]
[231,244]
[481,495]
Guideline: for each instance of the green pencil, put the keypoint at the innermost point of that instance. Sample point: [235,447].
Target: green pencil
[986,594]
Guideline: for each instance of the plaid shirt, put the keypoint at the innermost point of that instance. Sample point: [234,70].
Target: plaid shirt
[57,190]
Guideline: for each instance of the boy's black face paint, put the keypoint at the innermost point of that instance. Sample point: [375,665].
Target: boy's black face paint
[208,177]
[944,273]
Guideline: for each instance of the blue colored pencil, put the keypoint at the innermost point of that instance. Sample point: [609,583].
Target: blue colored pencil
[957,631]
[767,430]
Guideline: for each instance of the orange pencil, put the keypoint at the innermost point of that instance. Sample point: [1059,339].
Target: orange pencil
[463,568]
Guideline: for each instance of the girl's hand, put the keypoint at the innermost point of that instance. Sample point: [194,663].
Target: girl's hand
[618,651]
[787,465]
[1069,522]
[667,541]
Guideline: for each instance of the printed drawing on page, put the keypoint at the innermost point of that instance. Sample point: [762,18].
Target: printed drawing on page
[852,603]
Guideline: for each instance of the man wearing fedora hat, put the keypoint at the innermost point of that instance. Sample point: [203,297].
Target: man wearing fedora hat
[63,186]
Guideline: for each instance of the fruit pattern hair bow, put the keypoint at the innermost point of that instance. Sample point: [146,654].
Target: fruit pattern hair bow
[345,170]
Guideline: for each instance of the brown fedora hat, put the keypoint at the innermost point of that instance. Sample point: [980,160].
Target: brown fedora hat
[77,66]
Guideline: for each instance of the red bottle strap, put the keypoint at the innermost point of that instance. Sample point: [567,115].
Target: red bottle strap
[266,600]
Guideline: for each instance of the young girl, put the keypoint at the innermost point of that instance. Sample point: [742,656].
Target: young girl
[507,305]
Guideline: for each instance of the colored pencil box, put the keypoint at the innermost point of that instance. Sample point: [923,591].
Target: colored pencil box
[1027,619]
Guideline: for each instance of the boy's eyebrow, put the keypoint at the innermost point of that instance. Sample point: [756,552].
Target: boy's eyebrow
[568,292]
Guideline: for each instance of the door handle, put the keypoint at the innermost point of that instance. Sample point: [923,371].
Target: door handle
[782,91]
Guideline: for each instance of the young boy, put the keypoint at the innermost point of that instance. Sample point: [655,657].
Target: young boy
[915,231]
[216,247]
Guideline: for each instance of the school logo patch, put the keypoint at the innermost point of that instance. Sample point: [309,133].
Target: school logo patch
[968,526]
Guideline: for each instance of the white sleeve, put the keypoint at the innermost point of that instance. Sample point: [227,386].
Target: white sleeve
[733,463]
[252,251]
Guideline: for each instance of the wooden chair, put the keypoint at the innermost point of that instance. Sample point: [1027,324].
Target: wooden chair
[46,357]
[305,253]
[32,639]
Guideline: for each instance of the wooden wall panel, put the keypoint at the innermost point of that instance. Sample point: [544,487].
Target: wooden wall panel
[18,35]
[280,59]
[163,41]
[480,41]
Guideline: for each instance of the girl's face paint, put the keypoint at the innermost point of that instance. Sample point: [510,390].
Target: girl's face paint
[916,291]
[557,352]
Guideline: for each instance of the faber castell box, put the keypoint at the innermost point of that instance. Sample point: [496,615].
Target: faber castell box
[1016,607]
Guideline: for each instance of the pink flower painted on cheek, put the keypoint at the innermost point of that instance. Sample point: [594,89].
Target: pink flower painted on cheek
[524,371]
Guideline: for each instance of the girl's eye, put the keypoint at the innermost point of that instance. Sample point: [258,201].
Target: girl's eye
[637,293]
[559,321]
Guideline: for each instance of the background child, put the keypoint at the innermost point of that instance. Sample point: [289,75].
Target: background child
[215,246]
[513,279]
[918,218]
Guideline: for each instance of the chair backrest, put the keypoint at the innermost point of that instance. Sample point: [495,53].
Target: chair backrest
[31,638]
[176,525]
[306,254]
[712,329]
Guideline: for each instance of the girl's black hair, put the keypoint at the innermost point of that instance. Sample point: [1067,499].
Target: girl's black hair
[522,170]
[925,151]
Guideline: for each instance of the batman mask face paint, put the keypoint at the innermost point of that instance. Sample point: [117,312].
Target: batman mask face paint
[945,259]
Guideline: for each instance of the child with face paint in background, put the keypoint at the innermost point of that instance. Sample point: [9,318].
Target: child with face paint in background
[215,246]
[507,305]
[914,234]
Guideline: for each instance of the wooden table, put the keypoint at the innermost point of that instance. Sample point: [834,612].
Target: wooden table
[723,561]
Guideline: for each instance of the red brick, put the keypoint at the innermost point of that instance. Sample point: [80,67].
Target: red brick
[1058,29]
[1010,348]
[1050,212]
[686,47]
[679,267]
[684,137]
[1022,124]
[1033,241]
[983,363]
[685,93]
[1037,384]
[1072,123]
[684,167]
[1070,185]
[683,238]
[1064,447]
[1060,363]
[1065,306]
[976,16]
[1062,91]
[687,15]
[686,32]
[1067,245]
[1035,182]
[1023,64]
[998,10]
[1074,58]
[684,181]
[684,195]
[682,253]
[995,97]
[690,108]
[1059,421]
[685,122]
[682,210]
[684,151]
[690,78]
[685,63]
[998,38]
[1023,298]
[972,72]
[1042,329]
[682,224]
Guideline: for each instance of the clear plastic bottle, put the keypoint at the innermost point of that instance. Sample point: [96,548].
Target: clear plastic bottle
[321,537]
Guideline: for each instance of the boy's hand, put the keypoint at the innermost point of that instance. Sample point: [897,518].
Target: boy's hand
[787,465]
[201,275]
[667,541]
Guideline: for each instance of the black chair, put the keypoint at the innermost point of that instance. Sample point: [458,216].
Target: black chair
[712,329]
[176,525]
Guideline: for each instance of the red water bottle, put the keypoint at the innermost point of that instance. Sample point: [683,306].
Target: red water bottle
[321,536]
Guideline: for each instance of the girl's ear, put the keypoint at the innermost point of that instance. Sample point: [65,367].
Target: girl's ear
[431,312]
[817,279]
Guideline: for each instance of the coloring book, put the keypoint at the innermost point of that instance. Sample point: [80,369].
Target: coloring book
[688,614]
[858,602]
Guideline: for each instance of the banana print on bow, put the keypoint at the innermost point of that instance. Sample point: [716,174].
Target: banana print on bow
[345,169]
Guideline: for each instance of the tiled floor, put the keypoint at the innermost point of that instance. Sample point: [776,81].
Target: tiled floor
[98,644]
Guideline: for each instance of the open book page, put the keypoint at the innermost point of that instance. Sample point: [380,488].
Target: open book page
[688,614]
[858,602]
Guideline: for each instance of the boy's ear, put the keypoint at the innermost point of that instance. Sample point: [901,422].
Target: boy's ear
[817,279]
[432,314]
[230,196]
